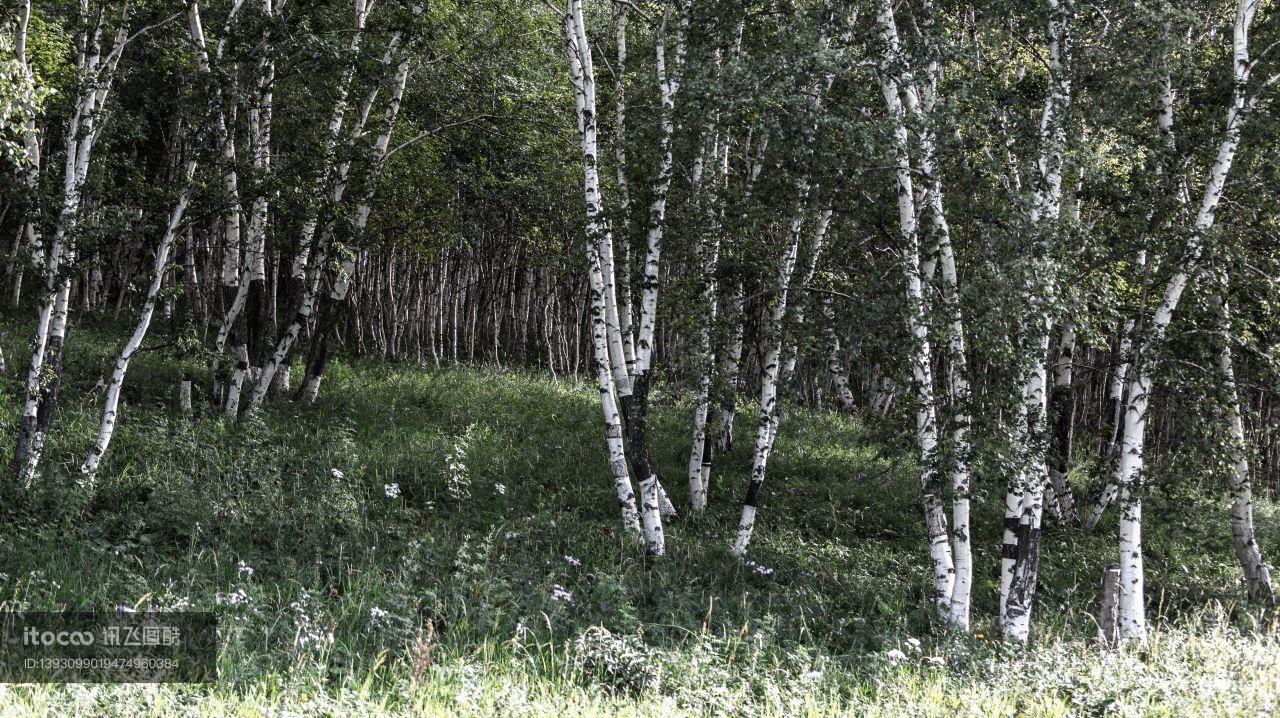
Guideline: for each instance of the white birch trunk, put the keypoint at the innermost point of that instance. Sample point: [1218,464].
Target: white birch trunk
[583,76]
[625,311]
[1243,537]
[669,86]
[917,324]
[836,371]
[1116,404]
[770,366]
[110,411]
[95,74]
[1062,411]
[340,285]
[699,467]
[1133,624]
[184,399]
[309,255]
[729,371]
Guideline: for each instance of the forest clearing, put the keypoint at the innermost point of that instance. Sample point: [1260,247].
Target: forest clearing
[639,357]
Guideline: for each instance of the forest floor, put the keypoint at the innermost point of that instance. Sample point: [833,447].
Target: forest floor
[447,542]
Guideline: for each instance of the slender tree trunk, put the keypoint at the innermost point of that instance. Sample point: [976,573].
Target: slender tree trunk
[95,72]
[836,372]
[917,324]
[1115,411]
[1133,623]
[583,76]
[1062,412]
[730,368]
[1257,575]
[699,467]
[110,411]
[770,367]
[341,284]
[309,264]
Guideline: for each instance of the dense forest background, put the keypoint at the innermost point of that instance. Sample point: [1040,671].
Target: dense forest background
[1017,260]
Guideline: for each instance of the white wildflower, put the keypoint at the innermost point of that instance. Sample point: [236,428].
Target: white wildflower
[895,655]
[393,490]
[914,644]
[558,593]
[500,488]
[244,569]
[378,614]
[936,661]
[571,561]
[337,473]
[235,598]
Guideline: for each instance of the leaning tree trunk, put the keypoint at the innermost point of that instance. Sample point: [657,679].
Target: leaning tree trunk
[770,367]
[1243,538]
[1133,624]
[333,311]
[95,74]
[309,264]
[1115,412]
[111,406]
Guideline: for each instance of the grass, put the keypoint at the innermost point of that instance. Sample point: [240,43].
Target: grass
[496,581]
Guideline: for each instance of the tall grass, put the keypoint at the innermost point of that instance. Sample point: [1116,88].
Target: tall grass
[446,541]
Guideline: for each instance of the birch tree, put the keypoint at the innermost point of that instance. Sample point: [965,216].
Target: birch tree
[1243,536]
[773,340]
[101,44]
[111,404]
[341,282]
[582,74]
[1132,610]
[892,88]
[306,269]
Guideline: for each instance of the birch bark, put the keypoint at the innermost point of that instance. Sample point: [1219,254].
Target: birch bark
[341,283]
[1243,537]
[111,405]
[920,351]
[95,72]
[582,74]
[1133,624]
[308,264]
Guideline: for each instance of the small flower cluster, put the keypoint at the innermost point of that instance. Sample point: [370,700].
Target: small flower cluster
[456,467]
[914,646]
[392,490]
[559,594]
[571,561]
[235,598]
[308,635]
[760,569]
